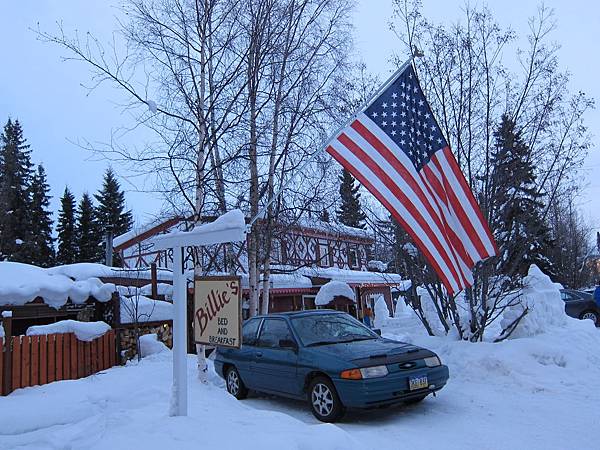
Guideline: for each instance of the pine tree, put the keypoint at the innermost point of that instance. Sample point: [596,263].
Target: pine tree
[350,212]
[67,239]
[521,232]
[111,206]
[89,236]
[41,247]
[15,179]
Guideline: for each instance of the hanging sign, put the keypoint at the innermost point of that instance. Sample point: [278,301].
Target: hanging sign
[218,311]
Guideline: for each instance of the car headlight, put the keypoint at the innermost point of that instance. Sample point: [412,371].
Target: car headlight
[374,372]
[432,361]
[365,372]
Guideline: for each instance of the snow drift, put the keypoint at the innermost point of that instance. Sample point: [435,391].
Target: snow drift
[546,309]
[150,345]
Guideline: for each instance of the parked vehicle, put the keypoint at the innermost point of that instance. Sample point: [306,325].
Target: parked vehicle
[581,305]
[329,359]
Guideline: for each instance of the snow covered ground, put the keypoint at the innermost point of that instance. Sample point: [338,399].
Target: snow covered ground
[541,392]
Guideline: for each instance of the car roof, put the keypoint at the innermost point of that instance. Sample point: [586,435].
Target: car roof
[305,313]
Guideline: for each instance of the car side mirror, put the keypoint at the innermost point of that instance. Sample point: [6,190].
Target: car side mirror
[377,331]
[288,343]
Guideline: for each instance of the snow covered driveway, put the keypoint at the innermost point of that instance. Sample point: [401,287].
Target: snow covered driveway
[534,393]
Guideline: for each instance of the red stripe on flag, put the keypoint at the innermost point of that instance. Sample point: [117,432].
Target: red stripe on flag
[456,241]
[339,158]
[416,187]
[401,196]
[460,212]
[469,195]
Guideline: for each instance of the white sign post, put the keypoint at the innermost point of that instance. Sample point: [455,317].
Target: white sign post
[230,227]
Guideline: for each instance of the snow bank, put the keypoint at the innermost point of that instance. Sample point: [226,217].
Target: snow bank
[382,313]
[546,308]
[84,331]
[145,309]
[126,407]
[150,345]
[333,289]
[22,283]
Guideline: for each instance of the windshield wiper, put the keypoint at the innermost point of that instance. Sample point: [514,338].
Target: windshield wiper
[314,344]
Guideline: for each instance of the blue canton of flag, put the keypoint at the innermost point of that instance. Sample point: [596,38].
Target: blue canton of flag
[404,115]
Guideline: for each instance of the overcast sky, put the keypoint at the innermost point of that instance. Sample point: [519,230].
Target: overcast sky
[56,111]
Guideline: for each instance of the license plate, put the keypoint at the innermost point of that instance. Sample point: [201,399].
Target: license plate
[419,382]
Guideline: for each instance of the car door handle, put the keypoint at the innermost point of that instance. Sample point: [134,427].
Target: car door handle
[259,354]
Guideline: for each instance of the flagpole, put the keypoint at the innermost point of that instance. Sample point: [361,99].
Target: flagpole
[333,135]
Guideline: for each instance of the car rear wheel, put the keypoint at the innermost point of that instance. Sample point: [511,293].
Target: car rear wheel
[324,401]
[590,315]
[235,385]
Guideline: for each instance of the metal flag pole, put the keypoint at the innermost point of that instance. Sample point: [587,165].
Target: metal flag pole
[365,105]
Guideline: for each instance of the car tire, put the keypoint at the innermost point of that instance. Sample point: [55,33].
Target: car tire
[591,315]
[412,401]
[235,385]
[324,401]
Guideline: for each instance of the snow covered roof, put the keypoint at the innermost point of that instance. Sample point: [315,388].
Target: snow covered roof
[84,271]
[230,227]
[145,228]
[356,277]
[22,283]
[145,309]
[333,228]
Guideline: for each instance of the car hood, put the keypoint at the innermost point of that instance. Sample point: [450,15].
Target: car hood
[373,351]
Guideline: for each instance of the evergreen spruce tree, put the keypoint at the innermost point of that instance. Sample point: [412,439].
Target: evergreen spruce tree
[111,206]
[350,212]
[522,235]
[67,239]
[89,236]
[15,202]
[41,247]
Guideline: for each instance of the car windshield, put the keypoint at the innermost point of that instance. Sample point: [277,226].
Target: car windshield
[324,329]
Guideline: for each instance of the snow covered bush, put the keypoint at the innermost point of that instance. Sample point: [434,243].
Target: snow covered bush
[150,345]
[331,290]
[545,309]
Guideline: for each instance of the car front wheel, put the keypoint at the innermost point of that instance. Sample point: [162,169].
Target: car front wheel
[235,385]
[324,401]
[590,315]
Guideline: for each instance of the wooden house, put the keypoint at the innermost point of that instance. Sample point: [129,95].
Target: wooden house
[305,255]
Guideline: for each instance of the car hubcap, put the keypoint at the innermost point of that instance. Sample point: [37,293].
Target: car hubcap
[233,382]
[322,399]
[590,316]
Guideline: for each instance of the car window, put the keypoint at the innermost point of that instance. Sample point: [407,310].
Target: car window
[249,330]
[272,331]
[330,328]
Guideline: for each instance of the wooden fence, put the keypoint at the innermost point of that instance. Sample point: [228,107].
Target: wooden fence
[35,360]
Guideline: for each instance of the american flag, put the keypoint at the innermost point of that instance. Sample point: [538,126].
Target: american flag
[396,149]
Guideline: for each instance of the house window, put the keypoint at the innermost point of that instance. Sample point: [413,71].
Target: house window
[353,258]
[324,254]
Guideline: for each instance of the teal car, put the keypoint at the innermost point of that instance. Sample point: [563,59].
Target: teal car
[330,359]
